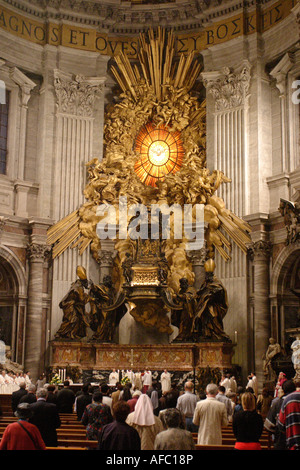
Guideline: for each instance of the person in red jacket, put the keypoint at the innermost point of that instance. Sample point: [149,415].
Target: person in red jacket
[22,435]
[132,402]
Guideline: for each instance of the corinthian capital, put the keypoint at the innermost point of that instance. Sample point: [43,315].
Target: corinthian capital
[76,94]
[229,88]
[198,257]
[37,251]
[260,249]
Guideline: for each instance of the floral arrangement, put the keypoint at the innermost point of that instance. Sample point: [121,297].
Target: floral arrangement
[125,380]
[56,380]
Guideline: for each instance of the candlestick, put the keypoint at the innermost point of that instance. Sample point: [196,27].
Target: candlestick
[131,352]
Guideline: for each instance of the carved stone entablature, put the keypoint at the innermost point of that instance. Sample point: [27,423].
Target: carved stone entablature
[291,215]
[260,249]
[37,252]
[229,88]
[76,94]
[124,17]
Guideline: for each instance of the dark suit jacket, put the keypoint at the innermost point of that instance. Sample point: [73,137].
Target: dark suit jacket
[65,400]
[51,398]
[16,396]
[29,398]
[46,418]
[81,402]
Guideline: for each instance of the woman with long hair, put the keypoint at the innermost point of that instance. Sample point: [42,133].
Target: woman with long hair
[247,424]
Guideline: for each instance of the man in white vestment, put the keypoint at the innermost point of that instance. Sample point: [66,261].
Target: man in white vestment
[2,383]
[138,385]
[11,386]
[27,378]
[252,383]
[255,384]
[130,375]
[113,377]
[225,382]
[147,380]
[233,384]
[165,380]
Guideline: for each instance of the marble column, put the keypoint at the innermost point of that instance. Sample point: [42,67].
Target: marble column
[260,252]
[36,254]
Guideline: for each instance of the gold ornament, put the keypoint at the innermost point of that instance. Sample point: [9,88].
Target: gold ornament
[209,265]
[155,92]
[81,272]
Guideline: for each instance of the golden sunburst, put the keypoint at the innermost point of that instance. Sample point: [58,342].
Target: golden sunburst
[161,152]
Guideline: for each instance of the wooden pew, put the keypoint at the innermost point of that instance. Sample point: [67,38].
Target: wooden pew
[77,443]
[228,438]
[65,448]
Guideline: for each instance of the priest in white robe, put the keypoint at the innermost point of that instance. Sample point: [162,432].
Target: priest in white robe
[165,380]
[113,377]
[147,380]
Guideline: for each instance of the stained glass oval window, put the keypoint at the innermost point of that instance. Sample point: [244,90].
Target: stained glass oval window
[161,152]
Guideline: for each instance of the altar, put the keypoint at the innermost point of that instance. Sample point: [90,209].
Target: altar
[176,357]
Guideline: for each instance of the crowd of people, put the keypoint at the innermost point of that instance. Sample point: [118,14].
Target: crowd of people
[10,382]
[139,416]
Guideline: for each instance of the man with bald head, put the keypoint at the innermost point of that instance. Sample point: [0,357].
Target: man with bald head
[210,415]
[186,403]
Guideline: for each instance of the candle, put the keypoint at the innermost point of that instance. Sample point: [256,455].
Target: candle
[235,336]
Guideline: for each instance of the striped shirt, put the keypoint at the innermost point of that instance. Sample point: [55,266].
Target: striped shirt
[289,420]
